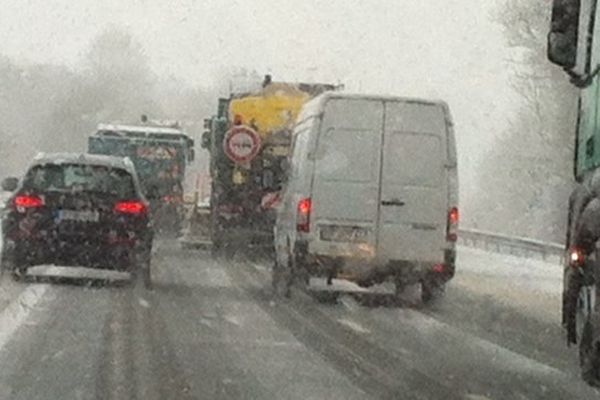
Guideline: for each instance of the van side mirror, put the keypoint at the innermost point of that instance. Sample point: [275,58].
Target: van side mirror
[561,50]
[563,36]
[10,184]
[285,165]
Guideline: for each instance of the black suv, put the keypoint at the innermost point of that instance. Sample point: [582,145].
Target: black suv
[77,210]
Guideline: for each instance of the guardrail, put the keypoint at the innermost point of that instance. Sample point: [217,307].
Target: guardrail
[505,244]
[499,243]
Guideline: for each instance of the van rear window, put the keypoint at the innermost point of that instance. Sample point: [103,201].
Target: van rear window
[349,155]
[414,159]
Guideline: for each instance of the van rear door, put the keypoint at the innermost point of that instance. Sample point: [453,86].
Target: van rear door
[345,189]
[414,186]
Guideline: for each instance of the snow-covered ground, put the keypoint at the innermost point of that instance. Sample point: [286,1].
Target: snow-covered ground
[526,283]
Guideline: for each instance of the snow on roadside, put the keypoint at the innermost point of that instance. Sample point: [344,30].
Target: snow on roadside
[532,285]
[535,274]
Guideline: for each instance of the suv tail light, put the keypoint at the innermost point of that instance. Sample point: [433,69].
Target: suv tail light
[131,207]
[452,229]
[28,201]
[303,215]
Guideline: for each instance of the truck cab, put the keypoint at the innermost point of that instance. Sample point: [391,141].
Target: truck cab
[160,155]
[573,44]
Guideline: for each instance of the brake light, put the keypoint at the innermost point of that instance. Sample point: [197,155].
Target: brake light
[131,207]
[28,201]
[303,215]
[452,229]
[576,257]
[454,216]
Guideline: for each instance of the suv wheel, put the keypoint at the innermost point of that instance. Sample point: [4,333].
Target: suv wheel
[12,264]
[431,290]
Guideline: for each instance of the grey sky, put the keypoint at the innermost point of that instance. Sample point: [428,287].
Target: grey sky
[438,48]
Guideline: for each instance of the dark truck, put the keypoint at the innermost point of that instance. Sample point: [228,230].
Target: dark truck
[249,141]
[160,155]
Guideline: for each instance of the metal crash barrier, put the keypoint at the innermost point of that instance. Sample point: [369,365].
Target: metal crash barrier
[517,246]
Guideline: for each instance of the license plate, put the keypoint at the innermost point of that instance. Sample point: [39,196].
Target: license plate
[352,234]
[80,216]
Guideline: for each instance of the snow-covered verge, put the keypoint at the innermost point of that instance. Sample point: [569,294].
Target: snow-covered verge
[529,284]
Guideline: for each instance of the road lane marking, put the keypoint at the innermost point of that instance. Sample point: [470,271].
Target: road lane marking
[355,326]
[502,358]
[476,397]
[17,312]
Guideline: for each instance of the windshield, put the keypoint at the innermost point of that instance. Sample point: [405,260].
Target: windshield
[344,199]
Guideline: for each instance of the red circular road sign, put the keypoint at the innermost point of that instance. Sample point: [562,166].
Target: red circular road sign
[241,144]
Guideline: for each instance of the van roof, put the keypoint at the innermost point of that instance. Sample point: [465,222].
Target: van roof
[315,104]
[344,95]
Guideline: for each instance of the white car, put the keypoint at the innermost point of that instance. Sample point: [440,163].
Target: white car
[372,194]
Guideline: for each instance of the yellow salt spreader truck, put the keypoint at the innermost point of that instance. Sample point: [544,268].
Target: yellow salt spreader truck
[249,141]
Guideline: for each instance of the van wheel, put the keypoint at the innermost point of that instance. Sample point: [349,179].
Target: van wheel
[589,357]
[300,272]
[431,290]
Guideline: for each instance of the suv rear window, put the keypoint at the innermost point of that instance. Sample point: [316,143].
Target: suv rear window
[80,177]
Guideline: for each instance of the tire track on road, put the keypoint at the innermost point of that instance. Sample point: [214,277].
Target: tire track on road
[375,370]
[116,378]
[139,360]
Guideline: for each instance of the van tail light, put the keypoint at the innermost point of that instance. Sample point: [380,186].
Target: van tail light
[28,201]
[452,229]
[131,207]
[576,257]
[303,215]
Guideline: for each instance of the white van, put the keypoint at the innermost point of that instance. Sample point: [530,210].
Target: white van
[372,194]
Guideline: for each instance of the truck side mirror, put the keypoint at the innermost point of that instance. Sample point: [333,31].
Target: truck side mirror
[10,184]
[206,140]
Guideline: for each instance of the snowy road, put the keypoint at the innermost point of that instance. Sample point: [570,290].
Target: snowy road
[210,330]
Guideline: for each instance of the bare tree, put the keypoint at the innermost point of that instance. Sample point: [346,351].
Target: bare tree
[527,176]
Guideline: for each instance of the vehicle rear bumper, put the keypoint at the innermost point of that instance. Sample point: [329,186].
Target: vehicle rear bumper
[366,271]
[72,252]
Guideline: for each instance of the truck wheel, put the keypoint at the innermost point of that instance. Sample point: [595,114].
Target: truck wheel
[146,273]
[589,357]
[431,290]
[142,269]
